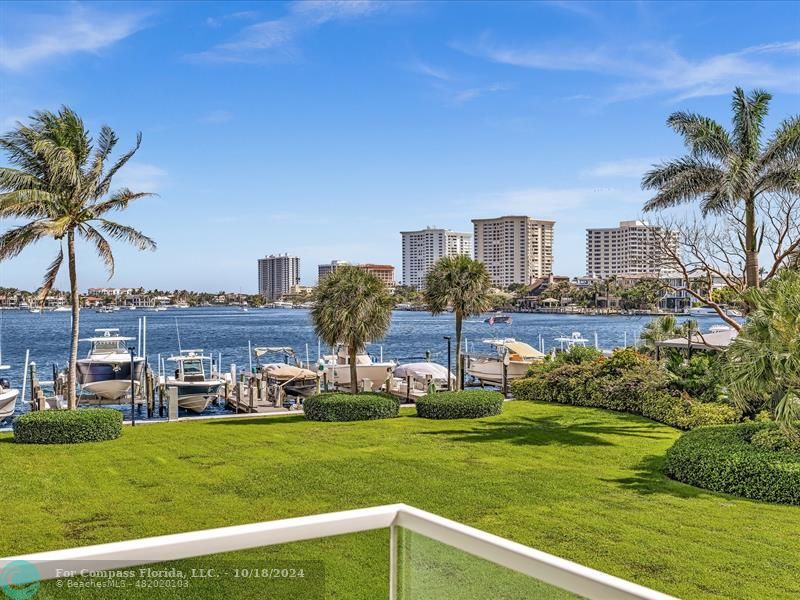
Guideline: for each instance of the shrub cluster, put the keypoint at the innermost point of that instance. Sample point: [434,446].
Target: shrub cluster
[350,407]
[467,404]
[627,381]
[726,459]
[771,437]
[68,426]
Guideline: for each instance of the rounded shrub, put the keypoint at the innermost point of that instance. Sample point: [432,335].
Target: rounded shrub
[350,407]
[68,426]
[468,404]
[724,459]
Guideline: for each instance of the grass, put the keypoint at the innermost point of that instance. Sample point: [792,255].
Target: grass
[584,484]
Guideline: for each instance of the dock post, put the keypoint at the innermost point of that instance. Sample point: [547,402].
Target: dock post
[160,400]
[463,371]
[408,389]
[251,391]
[172,398]
[34,398]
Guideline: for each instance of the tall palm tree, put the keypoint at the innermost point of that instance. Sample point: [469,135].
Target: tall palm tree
[352,307]
[60,185]
[729,168]
[463,284]
[762,365]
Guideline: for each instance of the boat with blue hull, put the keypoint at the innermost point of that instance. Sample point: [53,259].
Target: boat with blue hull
[195,388]
[106,371]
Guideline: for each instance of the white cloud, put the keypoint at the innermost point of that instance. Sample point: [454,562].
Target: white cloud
[626,167]
[452,87]
[140,177]
[216,117]
[50,36]
[659,69]
[429,70]
[270,40]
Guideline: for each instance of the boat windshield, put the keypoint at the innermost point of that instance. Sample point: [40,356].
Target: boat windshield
[192,367]
[106,347]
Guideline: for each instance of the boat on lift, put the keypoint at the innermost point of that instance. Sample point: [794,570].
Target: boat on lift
[106,371]
[196,386]
[517,355]
[290,375]
[569,341]
[338,367]
[8,396]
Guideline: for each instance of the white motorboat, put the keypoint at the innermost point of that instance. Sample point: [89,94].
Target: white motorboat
[574,339]
[35,310]
[196,388]
[8,396]
[106,371]
[338,368]
[710,311]
[422,375]
[62,309]
[489,368]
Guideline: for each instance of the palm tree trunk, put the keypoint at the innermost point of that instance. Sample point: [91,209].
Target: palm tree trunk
[458,350]
[353,370]
[72,401]
[751,249]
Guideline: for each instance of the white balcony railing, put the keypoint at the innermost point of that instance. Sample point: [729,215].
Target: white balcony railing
[540,566]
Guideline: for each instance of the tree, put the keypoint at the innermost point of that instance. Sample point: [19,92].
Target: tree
[658,330]
[726,169]
[762,365]
[462,283]
[353,308]
[60,185]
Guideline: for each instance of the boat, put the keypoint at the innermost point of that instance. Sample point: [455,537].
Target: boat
[104,309]
[106,371]
[196,389]
[62,309]
[338,368]
[574,339]
[422,375]
[489,368]
[498,318]
[710,311]
[8,396]
[282,304]
[290,374]
[35,310]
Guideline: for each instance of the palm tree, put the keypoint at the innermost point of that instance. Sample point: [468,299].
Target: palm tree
[658,330]
[728,168]
[352,307]
[463,284]
[61,187]
[762,365]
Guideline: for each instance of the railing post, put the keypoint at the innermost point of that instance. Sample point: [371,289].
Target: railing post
[393,566]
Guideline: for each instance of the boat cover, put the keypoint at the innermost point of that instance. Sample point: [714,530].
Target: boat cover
[421,370]
[285,372]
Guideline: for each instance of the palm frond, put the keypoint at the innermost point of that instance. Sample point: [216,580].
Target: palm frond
[128,234]
[681,180]
[105,184]
[15,240]
[102,246]
[748,121]
[119,200]
[50,276]
[105,144]
[702,135]
[784,143]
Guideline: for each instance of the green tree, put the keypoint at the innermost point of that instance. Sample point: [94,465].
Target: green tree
[658,330]
[730,168]
[463,284]
[61,186]
[762,365]
[352,307]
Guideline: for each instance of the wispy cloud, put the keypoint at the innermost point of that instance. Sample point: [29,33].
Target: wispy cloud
[239,15]
[582,9]
[216,117]
[140,177]
[624,168]
[454,88]
[658,69]
[78,29]
[272,39]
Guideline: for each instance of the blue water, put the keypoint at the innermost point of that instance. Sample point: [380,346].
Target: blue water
[228,330]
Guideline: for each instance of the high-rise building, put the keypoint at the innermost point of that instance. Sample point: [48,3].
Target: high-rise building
[632,248]
[324,270]
[421,249]
[515,249]
[277,275]
[383,272]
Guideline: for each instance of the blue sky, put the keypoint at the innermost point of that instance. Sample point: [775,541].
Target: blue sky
[323,129]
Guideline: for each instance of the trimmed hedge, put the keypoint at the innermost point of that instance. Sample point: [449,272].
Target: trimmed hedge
[350,407]
[723,459]
[68,426]
[626,382]
[468,404]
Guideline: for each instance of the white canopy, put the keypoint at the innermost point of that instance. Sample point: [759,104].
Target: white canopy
[421,370]
[715,340]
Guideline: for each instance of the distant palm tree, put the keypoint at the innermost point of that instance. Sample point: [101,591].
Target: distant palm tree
[61,187]
[463,284]
[352,307]
[762,365]
[725,169]
[658,330]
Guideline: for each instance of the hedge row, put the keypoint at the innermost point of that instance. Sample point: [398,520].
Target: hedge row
[68,426]
[350,407]
[468,404]
[623,383]
[723,459]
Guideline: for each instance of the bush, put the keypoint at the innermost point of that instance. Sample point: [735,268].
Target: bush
[68,426]
[350,407]
[723,459]
[771,437]
[468,404]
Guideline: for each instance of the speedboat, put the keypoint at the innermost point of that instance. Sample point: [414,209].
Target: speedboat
[489,368]
[196,389]
[106,371]
[8,396]
[338,367]
[62,309]
[498,318]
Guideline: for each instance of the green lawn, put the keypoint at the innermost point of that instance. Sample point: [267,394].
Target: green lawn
[580,483]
